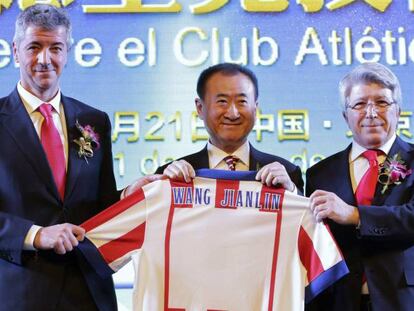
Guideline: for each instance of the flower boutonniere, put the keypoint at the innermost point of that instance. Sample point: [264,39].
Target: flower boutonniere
[392,172]
[87,142]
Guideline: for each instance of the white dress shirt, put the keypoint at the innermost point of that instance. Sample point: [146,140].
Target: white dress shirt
[216,157]
[31,104]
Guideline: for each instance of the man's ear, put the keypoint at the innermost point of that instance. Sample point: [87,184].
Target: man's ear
[15,54]
[398,111]
[345,116]
[199,107]
[256,105]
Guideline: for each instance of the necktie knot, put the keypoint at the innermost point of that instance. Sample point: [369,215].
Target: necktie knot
[371,156]
[46,111]
[231,162]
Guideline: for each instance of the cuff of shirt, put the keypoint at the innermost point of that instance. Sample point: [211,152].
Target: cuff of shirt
[29,239]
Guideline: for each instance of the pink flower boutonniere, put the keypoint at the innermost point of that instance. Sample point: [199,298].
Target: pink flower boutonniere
[392,172]
[87,142]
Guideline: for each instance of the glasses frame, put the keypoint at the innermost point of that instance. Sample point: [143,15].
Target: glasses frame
[378,106]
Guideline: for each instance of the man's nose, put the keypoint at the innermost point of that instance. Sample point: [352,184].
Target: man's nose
[233,111]
[44,57]
[371,111]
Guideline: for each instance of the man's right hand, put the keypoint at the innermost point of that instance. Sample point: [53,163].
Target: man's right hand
[61,238]
[325,204]
[181,170]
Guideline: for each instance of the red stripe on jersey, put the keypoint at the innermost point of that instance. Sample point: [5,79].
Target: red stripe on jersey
[124,244]
[183,309]
[167,253]
[113,210]
[308,256]
[226,193]
[278,215]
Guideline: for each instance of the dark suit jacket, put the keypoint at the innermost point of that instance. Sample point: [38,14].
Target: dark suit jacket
[384,245]
[32,280]
[257,160]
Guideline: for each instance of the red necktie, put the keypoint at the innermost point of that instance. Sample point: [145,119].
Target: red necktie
[231,162]
[53,147]
[366,187]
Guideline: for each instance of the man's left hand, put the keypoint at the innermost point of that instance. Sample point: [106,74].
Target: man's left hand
[326,204]
[275,174]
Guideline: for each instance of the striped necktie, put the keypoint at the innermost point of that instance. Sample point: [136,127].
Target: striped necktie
[231,162]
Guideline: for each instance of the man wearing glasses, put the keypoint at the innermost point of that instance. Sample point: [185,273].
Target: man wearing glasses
[366,193]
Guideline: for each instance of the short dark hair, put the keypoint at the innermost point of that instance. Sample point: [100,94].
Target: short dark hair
[45,16]
[226,69]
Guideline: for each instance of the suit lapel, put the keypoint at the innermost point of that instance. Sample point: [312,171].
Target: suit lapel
[403,149]
[20,127]
[75,163]
[344,188]
[201,159]
[254,164]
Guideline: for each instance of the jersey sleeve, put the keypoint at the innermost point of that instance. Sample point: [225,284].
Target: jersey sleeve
[113,235]
[320,256]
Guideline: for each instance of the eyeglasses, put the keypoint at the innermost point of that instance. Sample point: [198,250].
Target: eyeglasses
[379,105]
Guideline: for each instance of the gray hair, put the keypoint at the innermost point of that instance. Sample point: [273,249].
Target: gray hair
[44,16]
[370,73]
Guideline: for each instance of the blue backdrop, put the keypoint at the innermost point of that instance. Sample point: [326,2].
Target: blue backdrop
[139,62]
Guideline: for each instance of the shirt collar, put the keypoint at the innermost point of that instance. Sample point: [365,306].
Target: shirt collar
[33,103]
[357,149]
[216,155]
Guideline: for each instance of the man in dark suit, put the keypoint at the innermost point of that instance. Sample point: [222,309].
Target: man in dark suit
[228,98]
[366,192]
[55,171]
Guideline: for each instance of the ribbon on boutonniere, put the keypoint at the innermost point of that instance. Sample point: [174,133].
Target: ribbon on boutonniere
[392,172]
[87,142]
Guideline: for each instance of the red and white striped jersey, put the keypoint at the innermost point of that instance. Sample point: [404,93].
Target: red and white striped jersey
[218,243]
